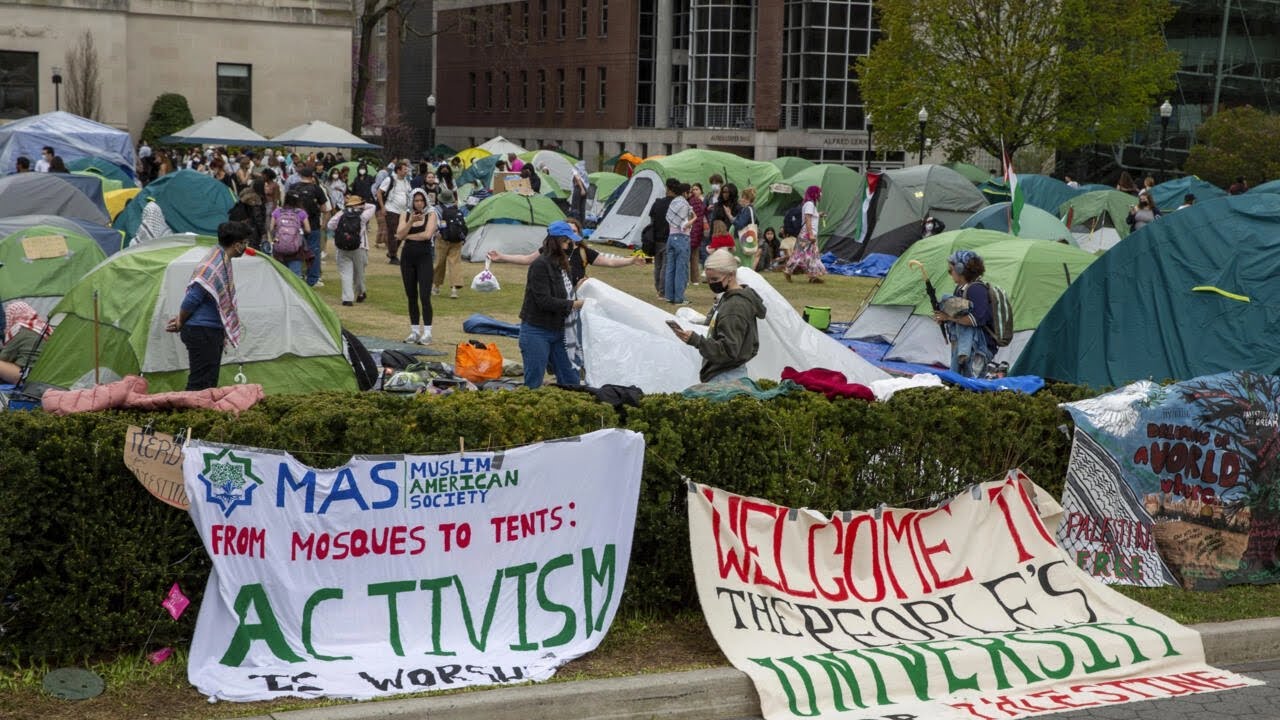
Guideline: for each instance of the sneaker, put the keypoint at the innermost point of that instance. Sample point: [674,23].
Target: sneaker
[435,289]
[319,283]
[347,303]
[360,297]
[395,261]
[412,339]
[424,340]
[453,294]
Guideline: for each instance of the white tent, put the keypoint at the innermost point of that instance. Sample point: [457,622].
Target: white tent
[319,133]
[217,130]
[626,341]
[559,167]
[507,238]
[628,217]
[501,146]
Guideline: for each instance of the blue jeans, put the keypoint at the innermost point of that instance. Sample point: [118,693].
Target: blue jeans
[296,267]
[538,346]
[313,242]
[676,271]
[969,343]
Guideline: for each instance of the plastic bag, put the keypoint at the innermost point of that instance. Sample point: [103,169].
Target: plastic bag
[485,280]
[477,362]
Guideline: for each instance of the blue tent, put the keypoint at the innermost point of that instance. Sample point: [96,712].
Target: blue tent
[103,168]
[90,186]
[1045,192]
[1169,194]
[192,202]
[1034,223]
[1272,187]
[70,136]
[480,172]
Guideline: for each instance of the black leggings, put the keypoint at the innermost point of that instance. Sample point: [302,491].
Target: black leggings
[415,270]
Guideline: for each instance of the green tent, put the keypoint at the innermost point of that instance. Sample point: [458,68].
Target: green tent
[290,343]
[192,203]
[1033,223]
[1033,273]
[479,172]
[994,189]
[606,182]
[102,168]
[1097,218]
[791,165]
[441,150]
[42,281]
[1192,294]
[510,223]
[841,201]
[971,172]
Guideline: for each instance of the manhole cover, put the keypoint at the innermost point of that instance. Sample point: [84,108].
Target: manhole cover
[73,684]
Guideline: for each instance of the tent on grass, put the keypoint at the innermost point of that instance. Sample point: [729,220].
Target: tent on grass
[905,197]
[509,223]
[217,130]
[108,239]
[841,201]
[1097,218]
[468,156]
[41,271]
[971,172]
[117,199]
[1046,193]
[1272,187]
[479,172]
[626,220]
[49,194]
[995,189]
[626,341]
[606,183]
[71,137]
[499,145]
[1033,273]
[290,342]
[790,165]
[192,203]
[319,133]
[90,185]
[1169,194]
[107,184]
[1193,294]
[556,165]
[101,167]
[1033,223]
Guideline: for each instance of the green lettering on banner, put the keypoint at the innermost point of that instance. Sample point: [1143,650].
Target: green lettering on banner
[391,590]
[266,629]
[479,642]
[597,574]
[915,665]
[996,648]
[570,620]
[1099,663]
[308,610]
[520,573]
[954,684]
[435,586]
[842,678]
[785,682]
[1169,650]
[1068,658]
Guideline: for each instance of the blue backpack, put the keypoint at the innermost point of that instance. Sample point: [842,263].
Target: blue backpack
[793,222]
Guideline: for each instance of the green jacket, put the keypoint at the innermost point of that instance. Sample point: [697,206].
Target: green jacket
[733,338]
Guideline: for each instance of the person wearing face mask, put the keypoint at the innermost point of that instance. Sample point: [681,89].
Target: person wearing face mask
[1142,214]
[363,185]
[548,301]
[208,317]
[733,336]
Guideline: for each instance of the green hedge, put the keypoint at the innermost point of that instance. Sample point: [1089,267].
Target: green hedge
[86,554]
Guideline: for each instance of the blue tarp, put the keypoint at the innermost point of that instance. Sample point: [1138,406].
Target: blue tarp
[479,324]
[873,353]
[70,136]
[873,265]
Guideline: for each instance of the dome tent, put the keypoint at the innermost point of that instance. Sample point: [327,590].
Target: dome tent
[42,281]
[905,197]
[99,166]
[841,201]
[192,202]
[48,194]
[1033,223]
[1097,218]
[509,223]
[70,136]
[109,240]
[291,341]
[1168,195]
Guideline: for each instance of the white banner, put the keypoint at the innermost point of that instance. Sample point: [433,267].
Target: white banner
[967,610]
[407,573]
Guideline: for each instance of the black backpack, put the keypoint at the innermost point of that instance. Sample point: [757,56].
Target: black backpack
[452,227]
[347,234]
[793,221]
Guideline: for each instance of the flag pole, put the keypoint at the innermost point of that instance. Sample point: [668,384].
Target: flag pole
[96,364]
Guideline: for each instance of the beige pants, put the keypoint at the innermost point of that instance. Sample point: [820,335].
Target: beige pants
[448,261]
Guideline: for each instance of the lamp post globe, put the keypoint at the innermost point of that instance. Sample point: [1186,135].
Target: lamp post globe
[57,87]
[923,118]
[1166,111]
[431,123]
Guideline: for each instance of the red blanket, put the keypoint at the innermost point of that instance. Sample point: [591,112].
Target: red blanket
[131,392]
[831,383]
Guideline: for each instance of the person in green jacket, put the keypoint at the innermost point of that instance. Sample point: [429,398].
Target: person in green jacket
[732,337]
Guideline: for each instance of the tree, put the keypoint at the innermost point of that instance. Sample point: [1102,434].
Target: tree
[1027,73]
[84,89]
[169,114]
[1235,142]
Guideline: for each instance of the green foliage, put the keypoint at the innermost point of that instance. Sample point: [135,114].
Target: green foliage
[169,114]
[1236,142]
[1028,73]
[86,555]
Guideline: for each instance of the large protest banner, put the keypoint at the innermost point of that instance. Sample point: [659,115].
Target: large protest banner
[407,573]
[1177,482]
[966,610]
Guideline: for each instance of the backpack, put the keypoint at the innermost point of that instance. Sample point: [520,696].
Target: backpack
[1001,328]
[793,221]
[452,227]
[346,236]
[288,233]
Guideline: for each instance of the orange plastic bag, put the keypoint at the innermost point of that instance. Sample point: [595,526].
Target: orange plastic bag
[477,362]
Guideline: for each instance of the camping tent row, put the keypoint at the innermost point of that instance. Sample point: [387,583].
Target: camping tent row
[72,138]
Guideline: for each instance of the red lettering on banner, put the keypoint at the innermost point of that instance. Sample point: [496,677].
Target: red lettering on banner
[998,495]
[896,532]
[773,512]
[730,561]
[841,593]
[1214,681]
[850,544]
[928,551]
[232,540]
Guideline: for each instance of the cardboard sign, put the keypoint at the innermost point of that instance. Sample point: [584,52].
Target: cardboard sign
[156,460]
[780,189]
[39,247]
[515,184]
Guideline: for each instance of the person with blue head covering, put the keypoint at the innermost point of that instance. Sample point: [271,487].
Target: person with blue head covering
[966,316]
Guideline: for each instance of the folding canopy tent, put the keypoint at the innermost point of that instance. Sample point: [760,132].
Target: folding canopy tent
[319,133]
[217,130]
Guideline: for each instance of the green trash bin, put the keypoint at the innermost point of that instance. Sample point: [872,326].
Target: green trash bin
[819,317]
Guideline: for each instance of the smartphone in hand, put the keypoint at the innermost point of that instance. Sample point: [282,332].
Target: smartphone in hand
[674,325]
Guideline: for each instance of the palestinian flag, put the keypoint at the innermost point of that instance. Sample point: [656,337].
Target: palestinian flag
[1015,194]
[866,218]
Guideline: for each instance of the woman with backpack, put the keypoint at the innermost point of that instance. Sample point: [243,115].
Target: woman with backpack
[289,228]
[453,232]
[967,316]
[350,229]
[416,228]
[806,258]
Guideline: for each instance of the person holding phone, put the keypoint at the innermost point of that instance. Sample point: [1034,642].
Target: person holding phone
[733,337]
[415,229]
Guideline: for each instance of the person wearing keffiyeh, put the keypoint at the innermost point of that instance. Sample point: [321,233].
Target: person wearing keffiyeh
[207,319]
[24,329]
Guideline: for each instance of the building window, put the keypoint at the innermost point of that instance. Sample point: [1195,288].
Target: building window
[562,27]
[604,87]
[19,84]
[506,90]
[235,92]
[582,18]
[507,27]
[472,102]
[582,89]
[560,88]
[490,20]
[524,89]
[542,90]
[488,89]
[473,37]
[604,18]
[543,18]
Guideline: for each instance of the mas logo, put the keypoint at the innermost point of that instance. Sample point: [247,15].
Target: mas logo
[228,480]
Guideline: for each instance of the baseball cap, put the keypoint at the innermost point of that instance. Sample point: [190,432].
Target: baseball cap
[563,229]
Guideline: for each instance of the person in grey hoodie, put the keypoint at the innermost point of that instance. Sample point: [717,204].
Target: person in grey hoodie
[733,337]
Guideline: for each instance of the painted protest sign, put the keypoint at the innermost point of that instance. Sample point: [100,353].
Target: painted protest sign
[966,610]
[408,573]
[1193,469]
[156,460]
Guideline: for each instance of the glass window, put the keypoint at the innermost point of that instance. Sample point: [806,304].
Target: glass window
[488,89]
[582,89]
[524,89]
[543,14]
[542,90]
[560,90]
[472,102]
[604,86]
[859,16]
[235,92]
[506,90]
[563,26]
[582,18]
[838,15]
[19,84]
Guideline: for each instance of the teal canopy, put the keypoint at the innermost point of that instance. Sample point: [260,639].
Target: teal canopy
[192,202]
[1192,294]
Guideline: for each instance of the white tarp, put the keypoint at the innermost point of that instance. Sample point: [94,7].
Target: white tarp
[399,574]
[626,341]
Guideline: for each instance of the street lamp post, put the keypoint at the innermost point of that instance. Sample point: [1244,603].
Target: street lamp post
[923,117]
[870,129]
[1166,111]
[57,88]
[431,122]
